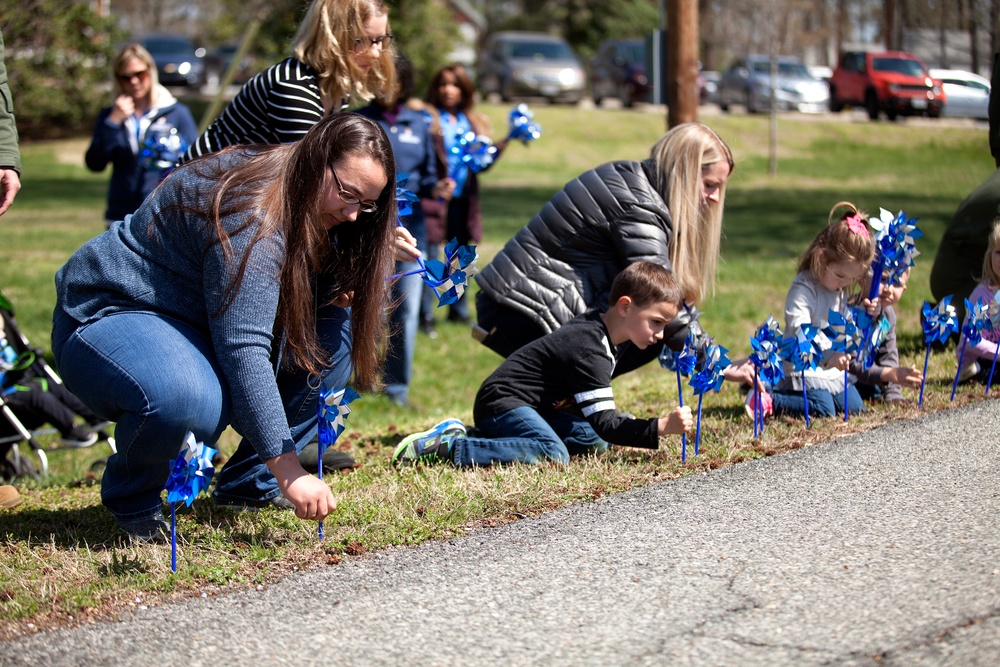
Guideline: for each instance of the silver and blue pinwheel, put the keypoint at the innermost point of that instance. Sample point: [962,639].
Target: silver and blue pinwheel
[994,311]
[449,279]
[190,474]
[475,151]
[766,359]
[681,362]
[845,336]
[977,320]
[709,378]
[938,322]
[523,128]
[804,351]
[332,409]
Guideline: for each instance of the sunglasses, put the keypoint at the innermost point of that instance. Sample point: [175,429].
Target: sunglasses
[348,198]
[126,77]
[362,44]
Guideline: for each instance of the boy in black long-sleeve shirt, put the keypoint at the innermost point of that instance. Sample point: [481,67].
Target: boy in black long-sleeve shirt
[553,398]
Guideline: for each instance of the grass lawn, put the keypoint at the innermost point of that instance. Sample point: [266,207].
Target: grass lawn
[62,561]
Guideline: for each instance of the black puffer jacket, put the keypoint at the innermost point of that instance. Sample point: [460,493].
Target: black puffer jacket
[563,261]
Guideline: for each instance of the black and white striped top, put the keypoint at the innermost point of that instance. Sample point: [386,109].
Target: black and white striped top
[277,106]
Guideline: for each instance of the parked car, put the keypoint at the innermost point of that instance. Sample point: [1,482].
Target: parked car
[748,82]
[968,94]
[217,64]
[708,86]
[619,70]
[178,62]
[516,64]
[894,82]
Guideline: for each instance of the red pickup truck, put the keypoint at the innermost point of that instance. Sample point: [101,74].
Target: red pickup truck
[894,82]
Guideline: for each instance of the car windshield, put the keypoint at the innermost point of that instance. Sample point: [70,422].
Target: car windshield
[167,44]
[785,68]
[898,65]
[540,50]
[634,53]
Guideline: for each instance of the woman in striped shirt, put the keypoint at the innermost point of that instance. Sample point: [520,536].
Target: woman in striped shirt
[342,49]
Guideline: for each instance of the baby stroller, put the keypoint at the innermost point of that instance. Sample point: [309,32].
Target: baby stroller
[34,402]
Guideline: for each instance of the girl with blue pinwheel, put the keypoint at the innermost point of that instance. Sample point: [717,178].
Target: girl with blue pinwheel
[978,359]
[455,213]
[884,378]
[224,301]
[835,262]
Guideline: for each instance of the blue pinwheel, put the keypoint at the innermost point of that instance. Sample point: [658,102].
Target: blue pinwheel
[845,336]
[522,127]
[475,151]
[977,321]
[709,378]
[331,411]
[449,279]
[405,199]
[804,351]
[938,324]
[160,152]
[190,474]
[995,321]
[766,360]
[681,362]
[896,244]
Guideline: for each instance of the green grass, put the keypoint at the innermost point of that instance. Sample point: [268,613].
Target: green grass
[63,562]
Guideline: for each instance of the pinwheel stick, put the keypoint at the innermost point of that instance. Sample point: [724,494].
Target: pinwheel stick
[805,398]
[684,438]
[756,405]
[993,367]
[846,417]
[173,538]
[697,430]
[320,450]
[923,380]
[958,371]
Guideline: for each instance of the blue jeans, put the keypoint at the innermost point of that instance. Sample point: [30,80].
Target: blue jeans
[524,435]
[158,378]
[822,403]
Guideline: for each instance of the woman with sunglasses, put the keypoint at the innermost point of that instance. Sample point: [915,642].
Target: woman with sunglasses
[220,303]
[342,51]
[144,117]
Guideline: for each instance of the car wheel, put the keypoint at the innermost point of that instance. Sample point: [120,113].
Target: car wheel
[871,104]
[504,93]
[598,98]
[751,107]
[723,104]
[836,105]
[627,96]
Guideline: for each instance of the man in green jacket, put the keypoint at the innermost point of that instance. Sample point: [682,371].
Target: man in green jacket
[10,158]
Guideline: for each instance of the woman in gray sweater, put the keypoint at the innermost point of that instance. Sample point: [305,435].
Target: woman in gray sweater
[223,301]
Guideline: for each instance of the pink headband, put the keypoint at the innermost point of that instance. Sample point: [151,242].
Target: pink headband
[857,225]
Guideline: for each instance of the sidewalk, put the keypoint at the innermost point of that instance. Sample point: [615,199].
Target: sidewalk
[879,549]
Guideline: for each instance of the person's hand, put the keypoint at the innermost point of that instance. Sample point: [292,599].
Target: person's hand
[873,308]
[10,183]
[123,107]
[678,421]
[312,497]
[911,377]
[343,300]
[741,371]
[444,189]
[406,246]
[839,360]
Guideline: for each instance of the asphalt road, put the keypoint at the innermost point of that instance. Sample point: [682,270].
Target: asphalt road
[879,549]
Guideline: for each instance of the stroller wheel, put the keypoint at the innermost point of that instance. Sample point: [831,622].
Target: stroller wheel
[24,464]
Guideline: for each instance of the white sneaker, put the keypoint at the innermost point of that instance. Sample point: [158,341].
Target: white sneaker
[969,371]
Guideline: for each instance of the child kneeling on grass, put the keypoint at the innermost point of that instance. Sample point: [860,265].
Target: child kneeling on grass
[552,398]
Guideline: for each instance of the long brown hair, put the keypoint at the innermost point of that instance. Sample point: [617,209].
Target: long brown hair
[480,122]
[283,186]
[839,241]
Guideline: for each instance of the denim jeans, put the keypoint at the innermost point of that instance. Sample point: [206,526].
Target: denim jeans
[158,378]
[398,369]
[822,403]
[524,435]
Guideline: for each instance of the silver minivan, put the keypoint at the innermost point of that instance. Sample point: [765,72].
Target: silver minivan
[530,64]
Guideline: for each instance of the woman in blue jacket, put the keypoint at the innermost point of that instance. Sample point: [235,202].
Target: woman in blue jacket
[223,301]
[142,134]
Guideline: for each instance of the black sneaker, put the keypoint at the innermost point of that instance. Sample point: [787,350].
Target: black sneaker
[278,501]
[79,436]
[151,529]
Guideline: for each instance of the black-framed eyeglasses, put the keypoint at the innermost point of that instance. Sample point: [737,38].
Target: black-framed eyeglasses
[364,43]
[348,198]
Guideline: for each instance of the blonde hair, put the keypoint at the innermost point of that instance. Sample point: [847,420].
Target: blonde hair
[837,242]
[990,276]
[134,52]
[325,42]
[681,156]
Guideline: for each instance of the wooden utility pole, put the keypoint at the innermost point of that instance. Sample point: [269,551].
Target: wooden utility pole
[682,61]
